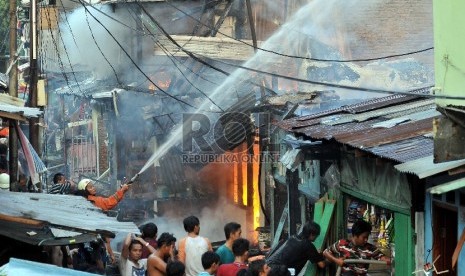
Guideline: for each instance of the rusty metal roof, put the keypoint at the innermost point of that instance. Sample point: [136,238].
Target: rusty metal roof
[405,150]
[394,127]
[357,108]
[67,212]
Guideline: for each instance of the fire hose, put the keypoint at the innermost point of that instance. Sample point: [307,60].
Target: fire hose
[133,179]
[358,261]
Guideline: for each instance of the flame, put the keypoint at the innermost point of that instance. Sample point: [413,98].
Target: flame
[244,183]
[256,186]
[161,80]
[235,184]
[255,162]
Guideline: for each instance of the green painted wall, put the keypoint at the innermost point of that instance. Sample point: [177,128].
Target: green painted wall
[404,255]
[449,45]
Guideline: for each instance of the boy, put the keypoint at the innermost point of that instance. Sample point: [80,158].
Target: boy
[240,249]
[210,262]
[355,248]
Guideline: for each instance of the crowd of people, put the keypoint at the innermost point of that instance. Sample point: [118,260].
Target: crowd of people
[193,255]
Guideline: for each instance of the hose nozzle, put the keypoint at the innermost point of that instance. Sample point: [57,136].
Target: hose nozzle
[133,179]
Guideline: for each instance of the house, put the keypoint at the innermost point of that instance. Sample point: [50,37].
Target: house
[380,169]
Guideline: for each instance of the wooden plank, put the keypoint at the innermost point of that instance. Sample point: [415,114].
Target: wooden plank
[7,99]
[21,220]
[318,211]
[282,221]
[420,237]
[324,223]
[211,47]
[13,116]
[458,248]
[79,123]
[48,17]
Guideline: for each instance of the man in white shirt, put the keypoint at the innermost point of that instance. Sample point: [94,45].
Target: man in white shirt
[131,263]
[193,246]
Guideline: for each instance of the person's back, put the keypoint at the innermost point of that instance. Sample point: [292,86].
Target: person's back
[193,246]
[297,250]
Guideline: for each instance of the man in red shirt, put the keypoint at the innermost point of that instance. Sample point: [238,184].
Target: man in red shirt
[240,248]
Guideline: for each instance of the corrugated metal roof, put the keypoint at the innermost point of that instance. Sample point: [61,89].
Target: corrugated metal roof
[360,117]
[424,167]
[393,127]
[23,267]
[66,211]
[372,137]
[368,105]
[26,112]
[405,150]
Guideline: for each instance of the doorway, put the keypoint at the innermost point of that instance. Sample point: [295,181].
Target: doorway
[444,236]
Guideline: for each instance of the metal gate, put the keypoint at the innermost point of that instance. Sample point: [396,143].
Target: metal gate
[82,153]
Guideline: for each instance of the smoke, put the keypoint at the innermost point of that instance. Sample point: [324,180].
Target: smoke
[91,46]
[212,220]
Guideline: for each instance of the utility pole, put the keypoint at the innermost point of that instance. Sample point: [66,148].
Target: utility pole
[33,122]
[13,91]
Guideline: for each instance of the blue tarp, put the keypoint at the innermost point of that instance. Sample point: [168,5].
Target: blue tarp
[23,267]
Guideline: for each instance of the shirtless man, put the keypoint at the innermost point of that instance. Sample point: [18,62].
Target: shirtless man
[156,263]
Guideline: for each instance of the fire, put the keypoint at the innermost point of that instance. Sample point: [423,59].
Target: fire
[161,80]
[256,186]
[255,160]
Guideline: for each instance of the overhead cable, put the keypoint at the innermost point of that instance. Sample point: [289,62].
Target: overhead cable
[300,57]
[365,89]
[65,49]
[133,62]
[190,54]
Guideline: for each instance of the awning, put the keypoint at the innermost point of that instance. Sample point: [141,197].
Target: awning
[424,167]
[449,186]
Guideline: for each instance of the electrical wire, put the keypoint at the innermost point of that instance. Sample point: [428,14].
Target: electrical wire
[172,59]
[300,57]
[133,62]
[365,89]
[69,26]
[143,33]
[190,54]
[180,71]
[98,47]
[66,51]
[60,61]
[372,90]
